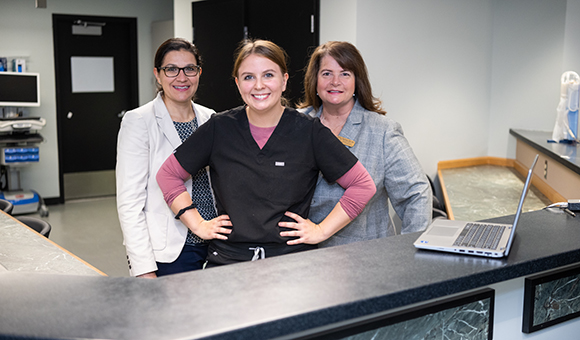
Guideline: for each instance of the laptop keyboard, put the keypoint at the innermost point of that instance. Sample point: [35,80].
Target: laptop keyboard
[479,235]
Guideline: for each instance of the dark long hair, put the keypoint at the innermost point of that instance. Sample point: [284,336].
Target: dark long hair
[350,59]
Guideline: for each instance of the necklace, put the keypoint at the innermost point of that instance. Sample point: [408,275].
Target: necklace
[335,125]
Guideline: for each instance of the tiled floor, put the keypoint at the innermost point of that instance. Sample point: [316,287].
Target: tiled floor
[89,228]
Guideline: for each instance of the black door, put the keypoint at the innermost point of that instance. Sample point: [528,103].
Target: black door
[293,25]
[218,29]
[220,25]
[89,118]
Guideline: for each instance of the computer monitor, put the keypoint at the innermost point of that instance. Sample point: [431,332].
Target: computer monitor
[19,89]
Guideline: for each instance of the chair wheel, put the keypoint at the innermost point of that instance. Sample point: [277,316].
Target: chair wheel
[43,211]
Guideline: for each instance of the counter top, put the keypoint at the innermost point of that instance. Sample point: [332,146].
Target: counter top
[566,154]
[276,296]
[23,250]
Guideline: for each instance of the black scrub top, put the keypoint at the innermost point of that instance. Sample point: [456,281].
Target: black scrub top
[254,186]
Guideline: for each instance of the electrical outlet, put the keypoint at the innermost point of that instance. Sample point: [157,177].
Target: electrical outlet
[574,204]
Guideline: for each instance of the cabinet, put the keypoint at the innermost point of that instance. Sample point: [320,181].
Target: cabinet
[558,168]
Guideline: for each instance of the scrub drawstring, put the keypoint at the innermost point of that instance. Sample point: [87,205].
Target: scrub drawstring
[259,253]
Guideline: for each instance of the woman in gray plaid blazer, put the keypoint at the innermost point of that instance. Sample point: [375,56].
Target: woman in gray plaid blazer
[338,91]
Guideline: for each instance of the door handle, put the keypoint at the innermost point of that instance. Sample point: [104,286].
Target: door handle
[121,114]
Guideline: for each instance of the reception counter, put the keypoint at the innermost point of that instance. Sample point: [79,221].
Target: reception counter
[558,169]
[289,296]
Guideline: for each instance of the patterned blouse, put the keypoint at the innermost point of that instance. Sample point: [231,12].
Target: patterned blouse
[201,193]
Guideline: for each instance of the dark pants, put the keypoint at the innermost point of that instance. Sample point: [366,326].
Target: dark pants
[192,257]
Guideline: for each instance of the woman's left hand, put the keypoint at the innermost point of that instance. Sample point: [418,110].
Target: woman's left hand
[307,231]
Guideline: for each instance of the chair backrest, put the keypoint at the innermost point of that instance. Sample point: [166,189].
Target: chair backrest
[41,226]
[439,210]
[6,206]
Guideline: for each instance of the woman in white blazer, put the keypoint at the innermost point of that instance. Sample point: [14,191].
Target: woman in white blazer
[157,243]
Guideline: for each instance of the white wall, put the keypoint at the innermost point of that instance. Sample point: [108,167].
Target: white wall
[572,37]
[182,19]
[27,31]
[332,28]
[429,62]
[528,47]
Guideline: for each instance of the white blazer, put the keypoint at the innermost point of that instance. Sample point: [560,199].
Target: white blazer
[150,231]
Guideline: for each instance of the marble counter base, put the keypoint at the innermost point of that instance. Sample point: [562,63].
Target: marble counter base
[468,321]
[557,299]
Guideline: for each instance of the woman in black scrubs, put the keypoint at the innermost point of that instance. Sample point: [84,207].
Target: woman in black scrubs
[264,161]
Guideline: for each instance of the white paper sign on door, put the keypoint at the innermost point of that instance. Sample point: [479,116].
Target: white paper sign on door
[92,74]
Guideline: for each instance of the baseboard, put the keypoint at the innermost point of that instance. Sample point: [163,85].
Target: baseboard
[51,200]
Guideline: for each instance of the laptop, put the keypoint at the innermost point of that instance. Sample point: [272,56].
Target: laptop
[474,238]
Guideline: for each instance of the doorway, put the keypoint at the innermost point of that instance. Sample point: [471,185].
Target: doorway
[96,82]
[220,25]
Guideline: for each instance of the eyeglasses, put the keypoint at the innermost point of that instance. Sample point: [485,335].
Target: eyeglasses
[173,71]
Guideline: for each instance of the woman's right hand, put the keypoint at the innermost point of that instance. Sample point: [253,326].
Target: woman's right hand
[150,275]
[216,228]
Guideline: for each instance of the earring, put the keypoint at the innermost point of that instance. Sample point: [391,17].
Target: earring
[316,93]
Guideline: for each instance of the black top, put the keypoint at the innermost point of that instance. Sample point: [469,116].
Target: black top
[254,186]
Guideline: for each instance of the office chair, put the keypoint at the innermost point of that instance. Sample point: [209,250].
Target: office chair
[6,206]
[41,226]
[439,210]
